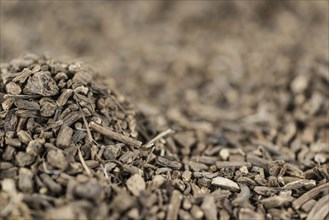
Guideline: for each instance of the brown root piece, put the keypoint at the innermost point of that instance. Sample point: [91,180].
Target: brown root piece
[320,210]
[275,201]
[235,164]
[242,199]
[174,205]
[209,207]
[159,136]
[309,195]
[114,135]
[83,162]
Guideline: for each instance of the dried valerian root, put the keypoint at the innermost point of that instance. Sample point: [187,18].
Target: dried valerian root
[72,149]
[49,112]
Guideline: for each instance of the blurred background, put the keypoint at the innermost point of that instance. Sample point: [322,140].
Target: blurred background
[201,60]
